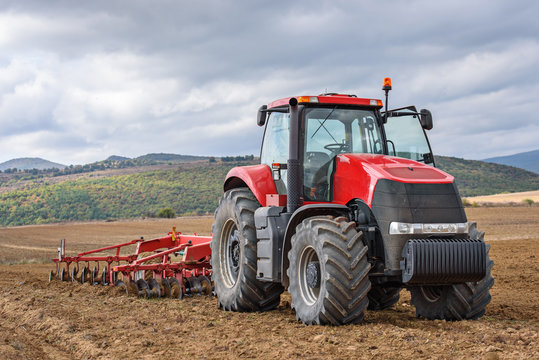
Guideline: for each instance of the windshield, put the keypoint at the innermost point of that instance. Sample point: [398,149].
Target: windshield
[406,138]
[332,131]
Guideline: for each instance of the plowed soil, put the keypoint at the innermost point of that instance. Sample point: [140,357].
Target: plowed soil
[41,320]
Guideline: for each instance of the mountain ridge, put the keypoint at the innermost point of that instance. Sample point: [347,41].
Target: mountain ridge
[528,160]
[29,163]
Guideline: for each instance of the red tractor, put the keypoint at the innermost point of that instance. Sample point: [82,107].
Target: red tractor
[345,209]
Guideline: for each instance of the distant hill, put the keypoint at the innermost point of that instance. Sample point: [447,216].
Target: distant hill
[475,177]
[29,164]
[187,188]
[161,157]
[117,158]
[527,160]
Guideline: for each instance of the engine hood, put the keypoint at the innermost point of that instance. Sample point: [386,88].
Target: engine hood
[356,175]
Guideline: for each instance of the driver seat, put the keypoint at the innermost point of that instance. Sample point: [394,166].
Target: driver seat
[314,161]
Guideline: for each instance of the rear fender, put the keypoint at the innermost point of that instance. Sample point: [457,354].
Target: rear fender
[299,215]
[256,177]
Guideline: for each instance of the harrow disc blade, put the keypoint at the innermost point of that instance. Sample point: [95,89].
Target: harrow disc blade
[74,274]
[165,285]
[121,287]
[94,276]
[176,290]
[133,289]
[104,277]
[52,274]
[63,275]
[143,289]
[155,289]
[205,286]
[83,275]
[194,286]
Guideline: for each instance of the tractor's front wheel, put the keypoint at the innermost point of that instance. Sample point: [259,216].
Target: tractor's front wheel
[328,272]
[234,259]
[458,301]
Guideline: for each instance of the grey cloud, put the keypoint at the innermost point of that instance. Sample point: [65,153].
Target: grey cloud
[129,77]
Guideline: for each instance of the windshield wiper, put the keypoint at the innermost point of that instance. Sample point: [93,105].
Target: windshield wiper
[322,125]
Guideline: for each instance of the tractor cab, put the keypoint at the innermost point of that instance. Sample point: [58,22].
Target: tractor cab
[334,124]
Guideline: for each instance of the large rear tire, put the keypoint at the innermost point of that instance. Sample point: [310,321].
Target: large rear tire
[234,258]
[328,272]
[459,301]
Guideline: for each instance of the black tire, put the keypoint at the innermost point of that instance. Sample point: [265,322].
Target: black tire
[459,301]
[381,297]
[328,272]
[234,256]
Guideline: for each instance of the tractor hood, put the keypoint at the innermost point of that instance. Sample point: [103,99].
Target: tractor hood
[356,175]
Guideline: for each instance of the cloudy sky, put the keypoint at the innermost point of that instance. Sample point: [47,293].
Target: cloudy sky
[83,80]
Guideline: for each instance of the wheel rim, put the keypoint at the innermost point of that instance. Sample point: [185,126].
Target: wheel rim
[309,293]
[431,293]
[230,253]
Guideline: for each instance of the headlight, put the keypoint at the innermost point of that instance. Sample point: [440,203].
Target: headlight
[399,228]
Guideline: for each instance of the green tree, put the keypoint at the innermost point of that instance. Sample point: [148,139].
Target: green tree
[166,213]
[530,202]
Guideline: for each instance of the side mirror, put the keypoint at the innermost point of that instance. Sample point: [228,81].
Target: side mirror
[261,117]
[425,117]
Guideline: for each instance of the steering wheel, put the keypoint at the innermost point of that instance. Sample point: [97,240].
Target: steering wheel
[336,147]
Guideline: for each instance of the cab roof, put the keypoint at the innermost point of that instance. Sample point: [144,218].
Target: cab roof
[341,99]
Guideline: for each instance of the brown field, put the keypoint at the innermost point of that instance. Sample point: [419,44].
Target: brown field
[41,320]
[517,198]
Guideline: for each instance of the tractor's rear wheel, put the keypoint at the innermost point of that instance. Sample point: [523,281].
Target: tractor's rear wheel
[381,297]
[328,272]
[455,302]
[234,259]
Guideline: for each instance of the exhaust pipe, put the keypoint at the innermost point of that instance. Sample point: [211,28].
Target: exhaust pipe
[294,176]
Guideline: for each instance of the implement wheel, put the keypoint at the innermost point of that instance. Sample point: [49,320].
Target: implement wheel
[328,272]
[458,301]
[234,256]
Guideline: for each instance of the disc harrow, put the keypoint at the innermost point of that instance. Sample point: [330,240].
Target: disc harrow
[173,266]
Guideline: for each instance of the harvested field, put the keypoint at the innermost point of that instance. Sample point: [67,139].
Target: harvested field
[41,320]
[517,198]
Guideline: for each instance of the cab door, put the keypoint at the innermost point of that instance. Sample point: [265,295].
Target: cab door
[406,136]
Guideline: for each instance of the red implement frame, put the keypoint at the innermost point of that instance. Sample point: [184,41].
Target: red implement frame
[194,262]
